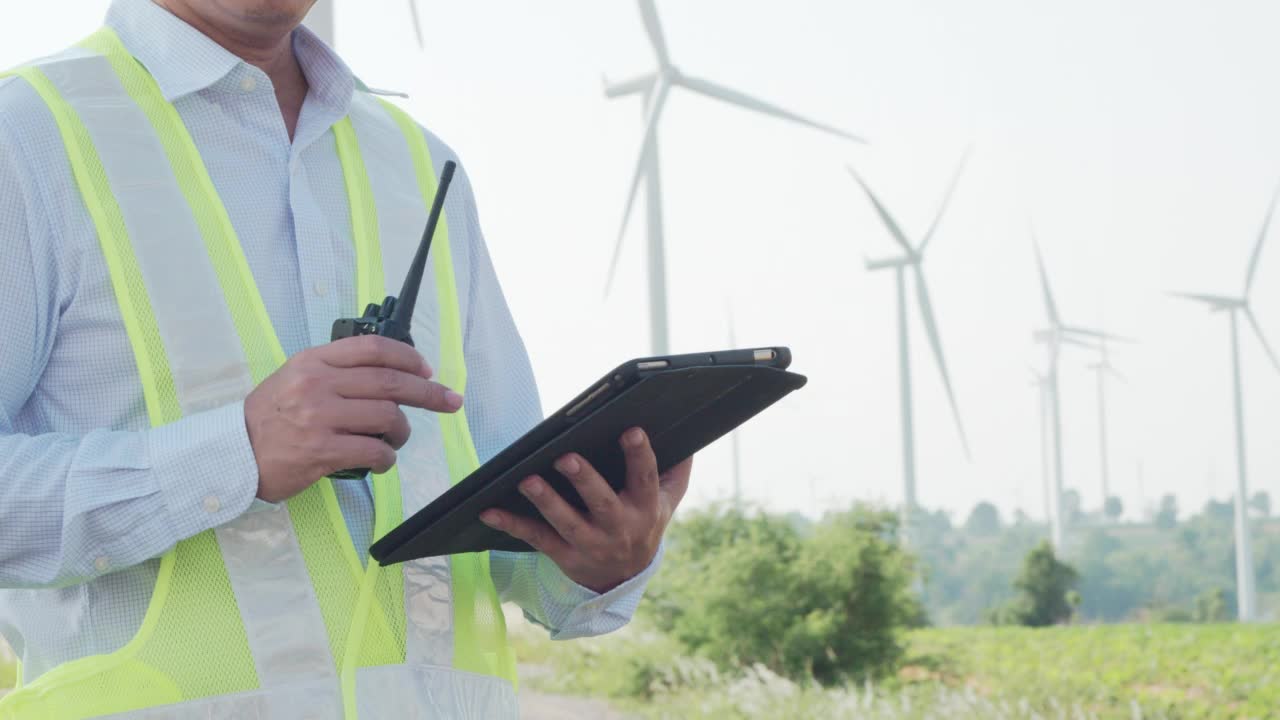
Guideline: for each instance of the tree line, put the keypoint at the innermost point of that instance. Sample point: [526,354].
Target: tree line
[1171,568]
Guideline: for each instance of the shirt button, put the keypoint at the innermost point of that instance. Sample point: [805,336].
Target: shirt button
[320,288]
[247,83]
[102,563]
[211,504]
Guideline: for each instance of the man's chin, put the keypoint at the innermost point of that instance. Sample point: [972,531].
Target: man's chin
[268,13]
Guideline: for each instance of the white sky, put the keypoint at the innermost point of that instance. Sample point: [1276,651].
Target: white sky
[1138,136]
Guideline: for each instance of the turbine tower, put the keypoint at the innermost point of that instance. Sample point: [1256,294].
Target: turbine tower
[1235,307]
[1101,369]
[1041,382]
[911,260]
[655,86]
[1054,337]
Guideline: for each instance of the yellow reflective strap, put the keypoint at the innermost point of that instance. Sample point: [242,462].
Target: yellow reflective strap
[248,312]
[364,216]
[370,286]
[381,591]
[479,628]
[262,346]
[350,663]
[126,278]
[94,685]
[452,370]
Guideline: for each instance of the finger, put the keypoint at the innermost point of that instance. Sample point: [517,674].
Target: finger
[402,388]
[374,351]
[673,484]
[642,468]
[602,502]
[539,535]
[371,417]
[357,451]
[567,521]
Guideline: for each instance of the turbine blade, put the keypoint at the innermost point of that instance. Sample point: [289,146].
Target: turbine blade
[630,86]
[646,146]
[1257,248]
[946,200]
[1217,301]
[417,23]
[1068,340]
[734,97]
[883,212]
[1076,330]
[1257,330]
[935,342]
[1049,305]
[653,27]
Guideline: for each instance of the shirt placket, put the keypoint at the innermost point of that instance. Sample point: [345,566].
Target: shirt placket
[328,294]
[318,266]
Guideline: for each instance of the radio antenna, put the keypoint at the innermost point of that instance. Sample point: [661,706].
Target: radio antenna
[402,313]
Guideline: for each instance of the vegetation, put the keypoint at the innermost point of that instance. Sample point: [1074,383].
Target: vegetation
[1159,571]
[766,616]
[983,520]
[1046,592]
[1167,516]
[825,602]
[1108,671]
[733,630]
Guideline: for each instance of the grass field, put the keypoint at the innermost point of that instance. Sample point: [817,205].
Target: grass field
[1112,671]
[1105,671]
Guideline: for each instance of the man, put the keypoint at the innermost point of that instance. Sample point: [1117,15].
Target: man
[188,199]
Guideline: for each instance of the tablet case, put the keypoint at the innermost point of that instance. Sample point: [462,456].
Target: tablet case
[682,410]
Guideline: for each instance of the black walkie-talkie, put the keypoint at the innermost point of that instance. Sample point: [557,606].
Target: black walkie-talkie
[393,317]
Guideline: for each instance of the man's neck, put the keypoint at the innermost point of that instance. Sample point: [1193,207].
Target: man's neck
[270,49]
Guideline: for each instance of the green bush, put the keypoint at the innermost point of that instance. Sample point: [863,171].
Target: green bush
[829,604]
[1046,591]
[1212,607]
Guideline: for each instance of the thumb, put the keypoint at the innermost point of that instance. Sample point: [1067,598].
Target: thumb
[673,484]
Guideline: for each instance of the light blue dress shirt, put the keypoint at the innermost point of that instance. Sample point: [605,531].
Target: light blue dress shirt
[90,495]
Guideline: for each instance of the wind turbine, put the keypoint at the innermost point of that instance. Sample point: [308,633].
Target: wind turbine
[320,21]
[1246,592]
[1101,369]
[911,260]
[1041,382]
[655,86]
[1054,337]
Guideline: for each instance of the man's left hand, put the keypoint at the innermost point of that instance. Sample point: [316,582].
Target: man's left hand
[618,536]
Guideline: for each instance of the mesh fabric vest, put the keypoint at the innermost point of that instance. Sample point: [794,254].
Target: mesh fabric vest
[271,616]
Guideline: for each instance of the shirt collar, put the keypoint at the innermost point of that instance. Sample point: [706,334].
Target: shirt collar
[183,60]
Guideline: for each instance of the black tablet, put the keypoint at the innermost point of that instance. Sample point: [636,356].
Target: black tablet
[683,402]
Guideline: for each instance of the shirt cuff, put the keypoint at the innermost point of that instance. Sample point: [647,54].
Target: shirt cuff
[205,469]
[574,611]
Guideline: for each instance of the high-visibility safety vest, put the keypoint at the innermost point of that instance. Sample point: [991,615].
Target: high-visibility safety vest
[273,615]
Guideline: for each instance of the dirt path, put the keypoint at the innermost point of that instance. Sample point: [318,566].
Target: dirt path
[536,705]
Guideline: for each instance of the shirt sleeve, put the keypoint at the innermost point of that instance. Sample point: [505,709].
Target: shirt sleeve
[77,505]
[566,609]
[502,404]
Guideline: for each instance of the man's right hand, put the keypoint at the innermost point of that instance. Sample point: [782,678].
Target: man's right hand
[324,409]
